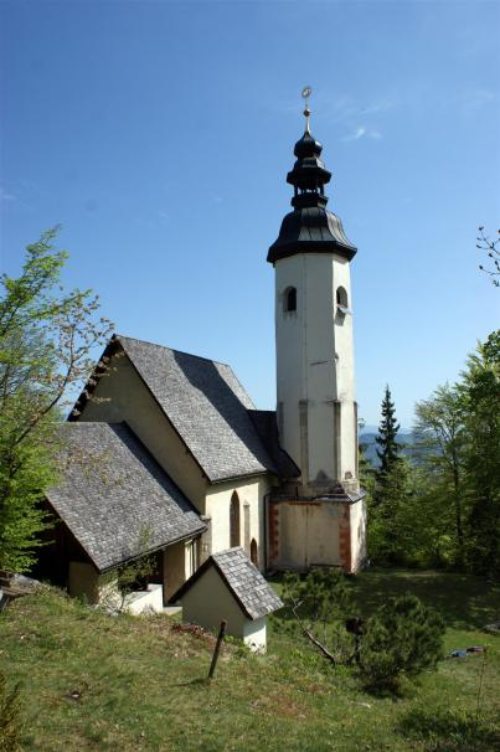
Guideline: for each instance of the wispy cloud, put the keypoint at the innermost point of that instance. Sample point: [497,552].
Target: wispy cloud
[362,132]
[6,195]
[382,105]
[477,98]
[340,108]
[346,109]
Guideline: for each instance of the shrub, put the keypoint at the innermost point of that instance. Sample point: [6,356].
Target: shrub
[402,637]
[315,605]
[323,595]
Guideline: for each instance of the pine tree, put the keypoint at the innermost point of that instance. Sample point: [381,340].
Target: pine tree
[390,510]
[387,432]
[402,637]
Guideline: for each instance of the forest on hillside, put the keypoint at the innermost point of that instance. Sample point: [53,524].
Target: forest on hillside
[435,500]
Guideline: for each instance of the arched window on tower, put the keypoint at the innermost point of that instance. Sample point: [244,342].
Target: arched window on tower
[290,299]
[342,297]
[234,521]
[342,301]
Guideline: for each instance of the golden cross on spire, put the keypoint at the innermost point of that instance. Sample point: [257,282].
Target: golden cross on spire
[306,93]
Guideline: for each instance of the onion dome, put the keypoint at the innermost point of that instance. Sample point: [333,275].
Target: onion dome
[310,227]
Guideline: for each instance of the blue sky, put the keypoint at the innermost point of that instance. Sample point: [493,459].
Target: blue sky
[159,135]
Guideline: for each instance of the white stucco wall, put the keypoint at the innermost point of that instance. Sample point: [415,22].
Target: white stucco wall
[145,601]
[179,563]
[208,602]
[255,635]
[102,589]
[84,580]
[112,402]
[218,503]
[308,535]
[358,534]
[315,367]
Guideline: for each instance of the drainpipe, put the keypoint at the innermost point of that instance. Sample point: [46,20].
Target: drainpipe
[266,527]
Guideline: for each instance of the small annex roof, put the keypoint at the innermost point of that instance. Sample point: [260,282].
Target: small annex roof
[114,497]
[208,408]
[254,595]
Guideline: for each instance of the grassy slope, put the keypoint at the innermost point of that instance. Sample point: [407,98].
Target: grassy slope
[142,685]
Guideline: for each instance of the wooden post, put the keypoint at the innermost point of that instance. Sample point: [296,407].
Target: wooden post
[222,632]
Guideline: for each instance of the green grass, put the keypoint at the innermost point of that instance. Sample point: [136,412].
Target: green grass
[94,682]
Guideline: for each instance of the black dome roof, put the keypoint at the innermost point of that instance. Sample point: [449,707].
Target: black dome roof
[310,228]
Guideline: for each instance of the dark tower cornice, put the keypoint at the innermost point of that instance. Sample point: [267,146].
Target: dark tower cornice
[310,227]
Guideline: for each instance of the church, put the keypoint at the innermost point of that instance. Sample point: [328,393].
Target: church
[165,454]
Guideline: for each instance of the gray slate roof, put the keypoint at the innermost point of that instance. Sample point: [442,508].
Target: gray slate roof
[114,497]
[254,595]
[267,428]
[207,406]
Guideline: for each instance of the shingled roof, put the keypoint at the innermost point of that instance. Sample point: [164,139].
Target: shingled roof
[267,428]
[254,595]
[209,409]
[114,497]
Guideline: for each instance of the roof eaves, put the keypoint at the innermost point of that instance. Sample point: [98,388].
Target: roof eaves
[119,562]
[154,550]
[253,474]
[98,371]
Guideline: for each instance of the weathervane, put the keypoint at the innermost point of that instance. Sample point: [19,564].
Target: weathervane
[306,93]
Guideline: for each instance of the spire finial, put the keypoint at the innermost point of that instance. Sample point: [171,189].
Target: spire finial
[306,93]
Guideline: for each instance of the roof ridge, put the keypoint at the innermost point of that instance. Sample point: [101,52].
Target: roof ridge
[118,336]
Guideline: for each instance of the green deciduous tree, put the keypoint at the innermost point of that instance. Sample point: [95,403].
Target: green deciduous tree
[440,441]
[492,249]
[46,339]
[457,496]
[480,389]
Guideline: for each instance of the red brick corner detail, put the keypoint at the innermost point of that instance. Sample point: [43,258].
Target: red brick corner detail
[345,538]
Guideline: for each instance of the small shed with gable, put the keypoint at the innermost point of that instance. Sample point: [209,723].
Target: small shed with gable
[229,586]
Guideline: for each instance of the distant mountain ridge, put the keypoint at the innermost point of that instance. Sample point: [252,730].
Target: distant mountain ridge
[369,445]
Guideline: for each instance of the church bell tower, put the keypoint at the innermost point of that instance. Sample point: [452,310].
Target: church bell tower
[316,408]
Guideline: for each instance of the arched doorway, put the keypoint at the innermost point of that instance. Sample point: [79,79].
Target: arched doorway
[234,521]
[254,552]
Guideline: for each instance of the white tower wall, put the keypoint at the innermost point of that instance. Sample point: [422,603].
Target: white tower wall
[315,370]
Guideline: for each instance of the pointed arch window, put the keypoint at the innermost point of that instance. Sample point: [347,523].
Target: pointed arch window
[290,299]
[234,521]
[254,552]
